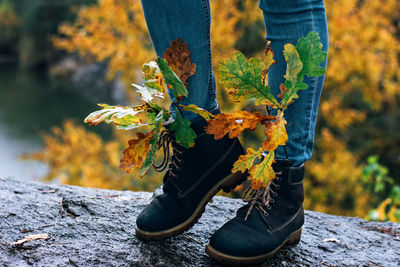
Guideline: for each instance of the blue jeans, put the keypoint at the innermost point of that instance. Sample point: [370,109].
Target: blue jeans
[285,22]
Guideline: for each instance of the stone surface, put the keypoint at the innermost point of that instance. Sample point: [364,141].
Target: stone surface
[94,227]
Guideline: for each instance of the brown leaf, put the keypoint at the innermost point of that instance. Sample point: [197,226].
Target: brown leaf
[134,155]
[234,123]
[283,90]
[30,238]
[268,61]
[178,58]
[276,133]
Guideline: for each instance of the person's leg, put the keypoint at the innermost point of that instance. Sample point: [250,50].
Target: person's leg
[285,22]
[257,232]
[194,175]
[189,20]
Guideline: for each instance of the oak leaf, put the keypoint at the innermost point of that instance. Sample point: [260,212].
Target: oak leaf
[263,172]
[178,58]
[243,80]
[151,154]
[184,134]
[134,155]
[234,123]
[195,109]
[276,133]
[178,89]
[124,117]
[268,61]
[245,162]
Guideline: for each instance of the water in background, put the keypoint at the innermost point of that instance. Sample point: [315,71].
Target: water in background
[30,104]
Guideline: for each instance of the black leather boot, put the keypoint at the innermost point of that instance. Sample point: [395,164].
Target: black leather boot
[194,176]
[273,218]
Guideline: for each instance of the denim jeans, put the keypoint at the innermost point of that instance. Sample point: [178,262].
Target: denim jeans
[285,22]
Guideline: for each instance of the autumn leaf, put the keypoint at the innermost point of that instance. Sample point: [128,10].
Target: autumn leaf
[151,154]
[152,77]
[178,58]
[242,79]
[268,61]
[124,117]
[234,123]
[263,172]
[178,89]
[153,86]
[311,54]
[195,109]
[294,65]
[134,155]
[245,162]
[276,133]
[30,238]
[184,134]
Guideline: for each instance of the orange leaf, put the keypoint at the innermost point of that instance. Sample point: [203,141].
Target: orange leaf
[134,155]
[178,58]
[276,133]
[234,123]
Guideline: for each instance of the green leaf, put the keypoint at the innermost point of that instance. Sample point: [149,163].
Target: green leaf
[294,65]
[311,54]
[123,117]
[174,83]
[195,109]
[151,155]
[243,79]
[184,134]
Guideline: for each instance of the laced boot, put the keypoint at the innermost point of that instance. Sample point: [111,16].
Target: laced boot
[193,177]
[272,218]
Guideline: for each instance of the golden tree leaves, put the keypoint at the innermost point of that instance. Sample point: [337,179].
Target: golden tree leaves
[234,123]
[178,58]
[276,133]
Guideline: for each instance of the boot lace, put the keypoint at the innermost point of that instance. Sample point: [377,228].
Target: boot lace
[175,161]
[263,198]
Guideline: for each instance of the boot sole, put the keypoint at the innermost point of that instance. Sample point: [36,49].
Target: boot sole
[227,184]
[293,239]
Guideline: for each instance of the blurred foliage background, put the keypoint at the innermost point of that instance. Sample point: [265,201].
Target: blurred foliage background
[354,170]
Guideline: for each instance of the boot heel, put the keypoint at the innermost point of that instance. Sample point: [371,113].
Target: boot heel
[232,181]
[294,238]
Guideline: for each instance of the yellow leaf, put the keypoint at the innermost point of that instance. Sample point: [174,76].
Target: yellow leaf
[195,109]
[134,155]
[234,123]
[276,133]
[245,162]
[262,173]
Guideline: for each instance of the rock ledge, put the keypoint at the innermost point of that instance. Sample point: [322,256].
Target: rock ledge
[94,227]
